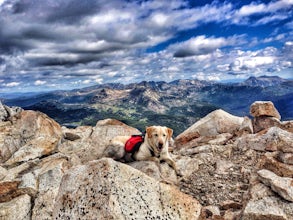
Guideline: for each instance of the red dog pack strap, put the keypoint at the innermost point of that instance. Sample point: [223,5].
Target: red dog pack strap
[132,144]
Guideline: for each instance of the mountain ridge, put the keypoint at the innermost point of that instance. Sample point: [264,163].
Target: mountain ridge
[177,104]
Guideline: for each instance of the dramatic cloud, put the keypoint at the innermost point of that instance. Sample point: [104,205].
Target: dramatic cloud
[201,45]
[56,44]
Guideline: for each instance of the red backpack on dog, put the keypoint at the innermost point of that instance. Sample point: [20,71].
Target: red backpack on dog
[132,144]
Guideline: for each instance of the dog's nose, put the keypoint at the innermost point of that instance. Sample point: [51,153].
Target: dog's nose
[160,145]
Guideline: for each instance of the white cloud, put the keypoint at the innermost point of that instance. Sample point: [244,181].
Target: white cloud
[253,62]
[202,45]
[2,1]
[289,43]
[159,19]
[39,82]
[251,9]
[12,84]
[269,19]
[255,8]
[278,5]
[223,67]
[274,11]
[86,81]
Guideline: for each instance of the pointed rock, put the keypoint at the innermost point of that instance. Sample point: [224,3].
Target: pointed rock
[215,123]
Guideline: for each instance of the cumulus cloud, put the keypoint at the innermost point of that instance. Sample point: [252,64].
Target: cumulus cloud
[202,45]
[198,46]
[251,9]
[39,82]
[12,84]
[64,43]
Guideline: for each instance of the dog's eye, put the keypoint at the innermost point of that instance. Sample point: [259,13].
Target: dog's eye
[164,135]
[156,135]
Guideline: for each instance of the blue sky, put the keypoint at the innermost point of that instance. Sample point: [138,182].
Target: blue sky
[66,44]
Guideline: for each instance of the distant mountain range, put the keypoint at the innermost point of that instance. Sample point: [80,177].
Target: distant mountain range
[177,104]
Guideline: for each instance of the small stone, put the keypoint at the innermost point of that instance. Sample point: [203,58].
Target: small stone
[285,158]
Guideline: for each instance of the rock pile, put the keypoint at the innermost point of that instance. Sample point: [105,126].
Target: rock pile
[232,167]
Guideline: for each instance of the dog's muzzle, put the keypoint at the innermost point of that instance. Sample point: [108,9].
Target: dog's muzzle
[160,146]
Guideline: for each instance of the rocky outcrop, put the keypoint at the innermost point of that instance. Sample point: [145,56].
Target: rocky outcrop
[210,127]
[228,170]
[275,139]
[106,189]
[7,113]
[86,143]
[266,116]
[281,185]
[31,135]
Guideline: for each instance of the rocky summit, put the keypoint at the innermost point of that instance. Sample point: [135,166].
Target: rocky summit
[231,168]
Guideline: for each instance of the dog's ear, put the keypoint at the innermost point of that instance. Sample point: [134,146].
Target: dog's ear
[149,131]
[170,132]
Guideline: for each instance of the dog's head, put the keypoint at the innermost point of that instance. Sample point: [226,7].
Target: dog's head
[158,137]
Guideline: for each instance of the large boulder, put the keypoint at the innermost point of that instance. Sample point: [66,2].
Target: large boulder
[32,135]
[266,116]
[85,143]
[264,108]
[216,123]
[106,189]
[103,132]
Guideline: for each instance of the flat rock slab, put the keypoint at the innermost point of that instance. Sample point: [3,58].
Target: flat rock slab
[281,185]
[17,209]
[106,189]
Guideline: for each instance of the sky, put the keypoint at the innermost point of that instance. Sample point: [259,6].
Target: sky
[65,44]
